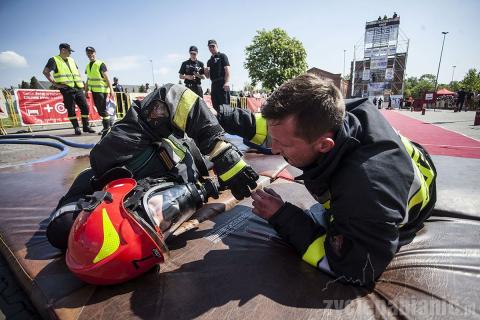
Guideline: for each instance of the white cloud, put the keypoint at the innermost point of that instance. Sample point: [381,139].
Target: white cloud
[11,59]
[127,63]
[163,71]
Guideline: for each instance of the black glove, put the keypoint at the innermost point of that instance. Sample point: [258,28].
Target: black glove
[234,173]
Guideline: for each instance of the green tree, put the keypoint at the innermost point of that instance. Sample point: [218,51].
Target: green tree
[274,57]
[417,87]
[141,89]
[454,86]
[34,84]
[471,81]
[24,85]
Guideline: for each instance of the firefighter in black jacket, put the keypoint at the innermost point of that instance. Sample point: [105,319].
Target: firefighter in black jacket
[155,140]
[376,186]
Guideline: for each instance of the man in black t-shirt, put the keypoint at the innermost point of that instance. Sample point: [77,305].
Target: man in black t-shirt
[192,71]
[218,71]
[67,79]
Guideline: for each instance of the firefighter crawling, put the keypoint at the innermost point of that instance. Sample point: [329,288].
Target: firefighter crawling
[158,153]
[376,187]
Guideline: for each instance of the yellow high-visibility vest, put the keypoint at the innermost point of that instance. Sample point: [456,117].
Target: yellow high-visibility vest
[67,74]
[96,82]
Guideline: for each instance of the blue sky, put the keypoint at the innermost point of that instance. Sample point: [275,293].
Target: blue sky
[128,34]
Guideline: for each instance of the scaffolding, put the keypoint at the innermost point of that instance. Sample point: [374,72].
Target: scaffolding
[379,63]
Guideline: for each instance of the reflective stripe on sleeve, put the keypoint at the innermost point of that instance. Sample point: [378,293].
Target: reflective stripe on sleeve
[315,251]
[260,129]
[184,106]
[233,171]
[111,239]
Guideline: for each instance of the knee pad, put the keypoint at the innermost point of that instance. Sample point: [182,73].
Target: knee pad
[61,221]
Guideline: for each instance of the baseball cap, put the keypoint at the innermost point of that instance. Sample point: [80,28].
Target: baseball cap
[193,48]
[65,46]
[90,49]
[212,42]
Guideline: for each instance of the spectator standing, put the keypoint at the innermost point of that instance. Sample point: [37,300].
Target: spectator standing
[192,72]
[68,80]
[380,101]
[99,83]
[461,94]
[218,71]
[120,96]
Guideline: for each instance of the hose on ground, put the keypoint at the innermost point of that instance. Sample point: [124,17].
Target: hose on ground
[48,136]
[61,154]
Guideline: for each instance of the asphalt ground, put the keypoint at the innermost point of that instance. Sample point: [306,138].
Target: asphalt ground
[460,122]
[18,154]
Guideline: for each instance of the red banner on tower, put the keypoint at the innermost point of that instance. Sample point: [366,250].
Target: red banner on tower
[43,107]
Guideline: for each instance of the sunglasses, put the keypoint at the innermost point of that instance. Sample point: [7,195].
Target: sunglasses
[193,52]
[211,46]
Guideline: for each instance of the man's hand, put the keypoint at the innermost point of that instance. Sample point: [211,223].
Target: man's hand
[266,203]
[226,87]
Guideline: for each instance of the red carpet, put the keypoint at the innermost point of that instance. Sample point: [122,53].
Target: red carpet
[436,140]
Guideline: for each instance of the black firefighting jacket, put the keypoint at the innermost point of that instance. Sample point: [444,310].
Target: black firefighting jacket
[377,188]
[130,141]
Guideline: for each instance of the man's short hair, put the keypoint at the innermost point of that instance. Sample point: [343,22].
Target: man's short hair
[317,105]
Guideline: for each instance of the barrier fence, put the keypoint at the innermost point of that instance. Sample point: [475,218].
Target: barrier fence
[31,107]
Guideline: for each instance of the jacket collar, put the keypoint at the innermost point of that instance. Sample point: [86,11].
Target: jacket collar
[346,139]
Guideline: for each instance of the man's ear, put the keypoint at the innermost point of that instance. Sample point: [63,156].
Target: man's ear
[325,143]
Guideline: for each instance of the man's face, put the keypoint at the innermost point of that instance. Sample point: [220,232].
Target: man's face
[297,151]
[66,52]
[193,55]
[91,55]
[213,48]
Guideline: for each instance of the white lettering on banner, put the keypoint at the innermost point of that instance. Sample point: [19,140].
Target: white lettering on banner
[31,104]
[48,108]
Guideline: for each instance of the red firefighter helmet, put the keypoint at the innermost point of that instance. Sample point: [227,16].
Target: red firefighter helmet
[108,244]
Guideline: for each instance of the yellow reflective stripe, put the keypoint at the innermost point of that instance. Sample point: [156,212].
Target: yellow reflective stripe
[84,115]
[315,251]
[233,171]
[425,175]
[96,82]
[67,72]
[260,129]
[111,239]
[183,108]
[71,118]
[179,152]
[326,205]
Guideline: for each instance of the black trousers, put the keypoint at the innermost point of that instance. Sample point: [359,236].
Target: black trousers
[100,100]
[219,95]
[72,96]
[196,88]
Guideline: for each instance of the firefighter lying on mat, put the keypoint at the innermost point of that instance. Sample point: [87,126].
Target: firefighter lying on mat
[376,186]
[151,144]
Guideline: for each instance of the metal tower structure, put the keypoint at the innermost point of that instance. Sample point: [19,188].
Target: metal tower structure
[379,63]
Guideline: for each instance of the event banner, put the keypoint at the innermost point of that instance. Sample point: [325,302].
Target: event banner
[3,106]
[42,107]
[379,62]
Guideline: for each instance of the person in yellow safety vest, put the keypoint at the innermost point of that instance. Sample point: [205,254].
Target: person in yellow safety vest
[67,79]
[99,83]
